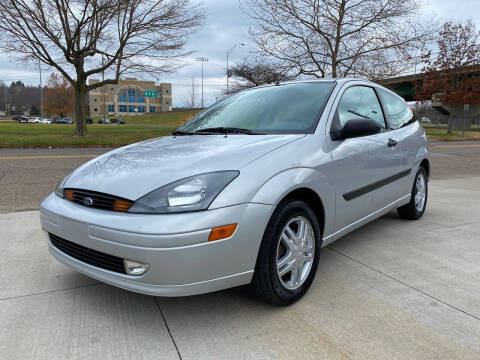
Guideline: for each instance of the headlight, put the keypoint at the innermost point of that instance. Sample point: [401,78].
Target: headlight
[190,194]
[59,188]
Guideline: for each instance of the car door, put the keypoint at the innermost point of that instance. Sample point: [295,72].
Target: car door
[399,116]
[358,164]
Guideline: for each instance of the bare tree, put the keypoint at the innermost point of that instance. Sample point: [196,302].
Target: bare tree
[451,76]
[81,38]
[258,72]
[337,37]
[190,100]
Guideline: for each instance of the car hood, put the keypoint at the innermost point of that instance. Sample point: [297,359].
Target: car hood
[135,170]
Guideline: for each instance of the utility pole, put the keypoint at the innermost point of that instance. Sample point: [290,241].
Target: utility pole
[228,54]
[103,91]
[465,110]
[193,97]
[41,88]
[202,60]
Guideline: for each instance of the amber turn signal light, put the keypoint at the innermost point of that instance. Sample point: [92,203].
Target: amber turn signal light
[69,194]
[222,232]
[121,205]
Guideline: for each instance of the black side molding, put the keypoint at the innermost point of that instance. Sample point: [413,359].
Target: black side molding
[366,189]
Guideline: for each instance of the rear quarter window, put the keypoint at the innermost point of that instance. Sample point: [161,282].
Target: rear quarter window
[398,112]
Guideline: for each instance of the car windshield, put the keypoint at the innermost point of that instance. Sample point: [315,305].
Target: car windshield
[283,109]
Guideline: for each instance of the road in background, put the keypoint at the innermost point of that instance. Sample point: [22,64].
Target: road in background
[27,176]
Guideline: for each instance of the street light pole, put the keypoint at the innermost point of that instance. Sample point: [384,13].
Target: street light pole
[228,54]
[103,91]
[41,88]
[202,60]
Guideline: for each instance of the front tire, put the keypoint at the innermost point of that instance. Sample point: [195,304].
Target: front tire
[289,253]
[415,209]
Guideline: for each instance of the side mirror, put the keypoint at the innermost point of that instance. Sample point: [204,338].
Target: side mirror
[357,128]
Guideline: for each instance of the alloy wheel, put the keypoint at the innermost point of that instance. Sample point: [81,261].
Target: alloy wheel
[295,252]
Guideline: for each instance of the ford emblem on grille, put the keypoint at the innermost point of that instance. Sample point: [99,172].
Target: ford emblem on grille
[87,201]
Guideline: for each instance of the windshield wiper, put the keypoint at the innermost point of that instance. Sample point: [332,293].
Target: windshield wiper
[228,130]
[180,132]
[358,114]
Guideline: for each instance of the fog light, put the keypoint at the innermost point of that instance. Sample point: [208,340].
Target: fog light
[134,267]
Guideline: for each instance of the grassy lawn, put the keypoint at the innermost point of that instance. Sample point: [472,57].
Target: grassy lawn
[136,128]
[440,133]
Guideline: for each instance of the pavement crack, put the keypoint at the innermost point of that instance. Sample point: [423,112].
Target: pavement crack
[48,292]
[403,283]
[168,328]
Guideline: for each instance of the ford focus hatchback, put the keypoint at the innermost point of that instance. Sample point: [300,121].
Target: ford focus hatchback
[247,192]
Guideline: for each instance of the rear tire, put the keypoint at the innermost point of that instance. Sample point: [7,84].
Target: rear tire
[289,253]
[415,209]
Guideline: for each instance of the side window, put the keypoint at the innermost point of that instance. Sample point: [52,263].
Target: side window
[359,102]
[398,112]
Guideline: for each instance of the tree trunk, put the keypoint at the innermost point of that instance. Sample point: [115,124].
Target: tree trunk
[451,119]
[80,107]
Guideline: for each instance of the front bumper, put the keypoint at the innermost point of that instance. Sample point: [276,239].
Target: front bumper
[182,261]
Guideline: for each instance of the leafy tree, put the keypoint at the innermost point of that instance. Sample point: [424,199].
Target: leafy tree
[81,38]
[59,96]
[450,75]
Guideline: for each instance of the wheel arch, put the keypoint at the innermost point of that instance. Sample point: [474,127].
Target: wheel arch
[313,200]
[425,163]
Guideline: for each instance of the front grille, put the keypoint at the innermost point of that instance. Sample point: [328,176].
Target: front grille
[97,200]
[88,256]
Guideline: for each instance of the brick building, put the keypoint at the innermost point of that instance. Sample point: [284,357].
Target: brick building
[130,97]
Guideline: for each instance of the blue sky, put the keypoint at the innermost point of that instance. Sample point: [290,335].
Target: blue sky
[226,25]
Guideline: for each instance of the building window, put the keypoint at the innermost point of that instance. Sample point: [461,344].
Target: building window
[95,110]
[141,109]
[111,108]
[131,96]
[166,91]
[152,109]
[94,99]
[112,89]
[123,108]
[131,108]
[168,102]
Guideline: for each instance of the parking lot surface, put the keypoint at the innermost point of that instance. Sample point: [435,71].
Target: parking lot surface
[394,289]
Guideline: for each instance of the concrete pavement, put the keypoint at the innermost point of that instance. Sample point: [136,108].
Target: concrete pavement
[394,289]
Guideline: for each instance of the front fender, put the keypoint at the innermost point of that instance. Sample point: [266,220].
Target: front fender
[281,184]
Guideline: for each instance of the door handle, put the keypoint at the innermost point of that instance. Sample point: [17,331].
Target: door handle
[392,143]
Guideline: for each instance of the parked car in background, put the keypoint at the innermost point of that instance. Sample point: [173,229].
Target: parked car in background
[23,119]
[117,121]
[46,121]
[100,121]
[35,120]
[246,192]
[62,121]
[89,120]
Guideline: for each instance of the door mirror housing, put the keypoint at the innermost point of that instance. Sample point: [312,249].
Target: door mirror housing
[357,128]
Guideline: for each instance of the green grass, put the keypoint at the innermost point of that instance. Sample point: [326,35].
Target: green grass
[136,128]
[435,132]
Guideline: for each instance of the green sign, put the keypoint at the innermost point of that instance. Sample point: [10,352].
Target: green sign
[150,93]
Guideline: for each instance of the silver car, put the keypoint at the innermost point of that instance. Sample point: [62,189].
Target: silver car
[247,192]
